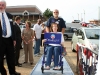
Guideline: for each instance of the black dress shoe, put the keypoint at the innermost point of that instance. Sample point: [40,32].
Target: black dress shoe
[4,57]
[25,63]
[16,73]
[31,63]
[19,65]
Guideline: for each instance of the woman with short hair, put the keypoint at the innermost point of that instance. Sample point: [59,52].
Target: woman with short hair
[27,36]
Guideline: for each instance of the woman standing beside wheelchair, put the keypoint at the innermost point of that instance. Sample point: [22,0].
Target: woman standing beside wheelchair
[27,37]
[53,49]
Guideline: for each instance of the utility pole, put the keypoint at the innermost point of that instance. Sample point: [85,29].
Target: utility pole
[81,17]
[99,14]
[84,15]
[78,15]
[73,18]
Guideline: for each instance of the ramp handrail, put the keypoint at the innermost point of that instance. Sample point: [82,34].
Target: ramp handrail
[87,60]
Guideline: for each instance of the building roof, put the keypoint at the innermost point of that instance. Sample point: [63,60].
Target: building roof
[19,10]
[94,20]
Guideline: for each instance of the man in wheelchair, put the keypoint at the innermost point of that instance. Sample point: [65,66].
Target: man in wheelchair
[53,50]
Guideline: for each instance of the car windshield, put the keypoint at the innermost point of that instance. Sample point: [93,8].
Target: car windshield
[92,33]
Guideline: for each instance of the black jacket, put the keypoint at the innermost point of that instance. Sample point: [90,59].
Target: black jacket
[12,28]
[17,31]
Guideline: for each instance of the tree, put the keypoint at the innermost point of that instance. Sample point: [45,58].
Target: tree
[47,13]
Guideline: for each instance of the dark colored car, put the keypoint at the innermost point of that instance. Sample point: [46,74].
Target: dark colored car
[76,21]
[69,32]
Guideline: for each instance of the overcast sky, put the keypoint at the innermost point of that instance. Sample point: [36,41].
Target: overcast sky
[69,9]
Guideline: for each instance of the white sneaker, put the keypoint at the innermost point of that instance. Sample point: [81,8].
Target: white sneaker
[39,54]
[35,55]
[52,64]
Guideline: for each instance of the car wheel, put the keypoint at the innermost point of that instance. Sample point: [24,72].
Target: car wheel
[65,37]
[73,50]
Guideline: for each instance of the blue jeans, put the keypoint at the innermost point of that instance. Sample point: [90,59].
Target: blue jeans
[53,50]
[37,46]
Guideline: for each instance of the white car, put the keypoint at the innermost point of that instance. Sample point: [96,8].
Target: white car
[22,27]
[87,37]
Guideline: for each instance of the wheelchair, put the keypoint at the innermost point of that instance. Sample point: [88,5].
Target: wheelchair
[60,63]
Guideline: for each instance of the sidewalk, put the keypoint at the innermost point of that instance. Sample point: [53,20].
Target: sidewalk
[26,68]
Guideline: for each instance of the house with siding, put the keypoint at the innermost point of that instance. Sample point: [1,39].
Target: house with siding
[26,12]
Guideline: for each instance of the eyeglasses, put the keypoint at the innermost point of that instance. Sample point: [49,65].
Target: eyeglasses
[1,4]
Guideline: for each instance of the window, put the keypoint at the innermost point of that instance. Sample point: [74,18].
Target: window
[80,32]
[92,33]
[67,30]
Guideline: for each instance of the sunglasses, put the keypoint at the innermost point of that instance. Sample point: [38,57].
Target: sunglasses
[1,4]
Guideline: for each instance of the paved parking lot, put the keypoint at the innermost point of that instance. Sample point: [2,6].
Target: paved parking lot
[27,68]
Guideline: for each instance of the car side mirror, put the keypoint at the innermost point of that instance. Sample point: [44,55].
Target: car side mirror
[75,31]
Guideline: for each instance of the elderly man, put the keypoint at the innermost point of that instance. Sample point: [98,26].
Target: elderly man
[7,41]
[56,19]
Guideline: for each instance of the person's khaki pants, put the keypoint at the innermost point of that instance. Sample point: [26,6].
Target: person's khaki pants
[28,50]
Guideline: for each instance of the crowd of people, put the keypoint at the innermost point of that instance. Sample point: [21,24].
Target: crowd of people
[11,38]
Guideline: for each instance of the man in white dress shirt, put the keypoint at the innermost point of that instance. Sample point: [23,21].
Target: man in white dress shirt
[7,41]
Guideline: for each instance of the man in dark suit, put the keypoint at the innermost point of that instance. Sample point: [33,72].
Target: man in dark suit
[7,41]
[18,40]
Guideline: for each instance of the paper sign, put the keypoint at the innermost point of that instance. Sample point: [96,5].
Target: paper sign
[52,38]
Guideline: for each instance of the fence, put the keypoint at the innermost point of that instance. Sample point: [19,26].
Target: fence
[87,60]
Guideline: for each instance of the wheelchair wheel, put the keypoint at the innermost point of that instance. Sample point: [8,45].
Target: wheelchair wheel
[42,69]
[62,69]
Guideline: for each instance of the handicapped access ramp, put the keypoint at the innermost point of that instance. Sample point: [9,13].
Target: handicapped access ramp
[37,69]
